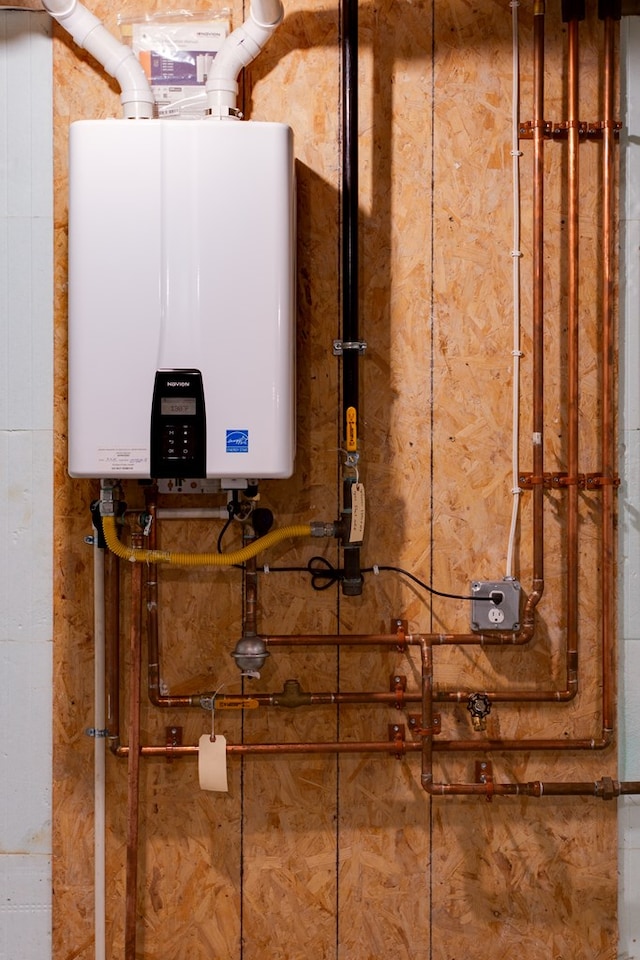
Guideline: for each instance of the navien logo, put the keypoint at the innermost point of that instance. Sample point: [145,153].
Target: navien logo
[178,383]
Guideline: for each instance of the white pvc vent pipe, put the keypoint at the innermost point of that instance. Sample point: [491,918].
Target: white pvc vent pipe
[117,58]
[238,50]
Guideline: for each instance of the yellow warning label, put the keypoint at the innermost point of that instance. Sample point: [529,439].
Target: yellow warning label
[246,703]
[352,429]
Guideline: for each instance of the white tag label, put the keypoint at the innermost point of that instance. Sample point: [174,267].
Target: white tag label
[212,763]
[358,513]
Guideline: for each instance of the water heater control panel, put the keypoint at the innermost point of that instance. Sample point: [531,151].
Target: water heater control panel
[178,425]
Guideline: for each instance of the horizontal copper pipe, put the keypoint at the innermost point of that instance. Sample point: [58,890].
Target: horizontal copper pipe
[606,789]
[497,746]
[348,746]
[386,639]
[391,698]
[337,640]
[270,749]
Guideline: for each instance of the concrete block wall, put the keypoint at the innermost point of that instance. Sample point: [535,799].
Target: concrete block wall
[26,445]
[629,685]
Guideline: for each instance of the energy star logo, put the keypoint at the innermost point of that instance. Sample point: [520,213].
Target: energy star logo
[237,441]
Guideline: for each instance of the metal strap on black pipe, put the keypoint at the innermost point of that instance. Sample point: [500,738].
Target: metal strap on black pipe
[573,10]
[611,9]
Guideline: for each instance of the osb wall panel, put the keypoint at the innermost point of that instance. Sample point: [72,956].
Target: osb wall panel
[336,857]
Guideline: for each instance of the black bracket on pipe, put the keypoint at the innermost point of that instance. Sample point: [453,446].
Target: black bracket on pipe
[573,10]
[612,9]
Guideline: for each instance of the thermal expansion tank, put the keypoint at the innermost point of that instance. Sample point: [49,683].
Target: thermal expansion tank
[181,299]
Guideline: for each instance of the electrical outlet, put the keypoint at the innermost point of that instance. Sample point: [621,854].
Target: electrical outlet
[495,605]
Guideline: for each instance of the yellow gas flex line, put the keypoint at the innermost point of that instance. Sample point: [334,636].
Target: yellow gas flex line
[141,555]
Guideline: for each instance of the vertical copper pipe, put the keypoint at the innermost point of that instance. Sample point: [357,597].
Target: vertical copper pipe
[112,654]
[538,294]
[573,140]
[608,387]
[151,591]
[250,628]
[152,618]
[133,768]
[426,655]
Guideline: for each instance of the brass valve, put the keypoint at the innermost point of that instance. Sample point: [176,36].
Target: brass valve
[479,706]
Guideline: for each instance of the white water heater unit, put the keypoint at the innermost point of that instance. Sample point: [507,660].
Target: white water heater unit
[181,299]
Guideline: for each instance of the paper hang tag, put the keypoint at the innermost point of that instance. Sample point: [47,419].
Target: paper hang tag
[358,512]
[212,763]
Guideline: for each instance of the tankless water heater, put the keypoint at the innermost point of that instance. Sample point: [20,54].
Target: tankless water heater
[181,299]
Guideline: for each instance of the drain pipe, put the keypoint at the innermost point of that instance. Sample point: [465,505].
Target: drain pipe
[117,58]
[350,347]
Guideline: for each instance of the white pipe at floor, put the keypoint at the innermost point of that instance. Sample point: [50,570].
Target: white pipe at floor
[99,740]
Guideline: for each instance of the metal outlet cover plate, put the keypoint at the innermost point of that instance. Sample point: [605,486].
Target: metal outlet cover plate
[495,605]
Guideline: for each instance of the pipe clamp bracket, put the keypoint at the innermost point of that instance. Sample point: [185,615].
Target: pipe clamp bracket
[93,732]
[339,346]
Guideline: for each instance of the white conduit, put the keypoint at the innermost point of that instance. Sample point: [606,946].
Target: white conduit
[99,748]
[516,255]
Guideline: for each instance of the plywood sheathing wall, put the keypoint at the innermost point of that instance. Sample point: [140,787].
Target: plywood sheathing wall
[319,857]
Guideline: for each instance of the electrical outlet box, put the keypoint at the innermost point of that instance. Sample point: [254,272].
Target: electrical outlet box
[495,605]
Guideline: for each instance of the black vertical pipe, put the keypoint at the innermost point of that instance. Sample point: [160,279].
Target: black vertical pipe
[352,579]
[350,203]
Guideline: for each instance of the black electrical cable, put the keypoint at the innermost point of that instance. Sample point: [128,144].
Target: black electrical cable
[325,575]
[231,510]
[425,586]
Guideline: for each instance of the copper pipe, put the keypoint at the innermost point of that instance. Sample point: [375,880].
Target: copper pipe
[487,787]
[357,746]
[153,648]
[515,696]
[250,627]
[391,639]
[573,373]
[336,640]
[151,591]
[270,749]
[538,295]
[601,742]
[606,789]
[426,657]
[608,381]
[133,769]
[112,645]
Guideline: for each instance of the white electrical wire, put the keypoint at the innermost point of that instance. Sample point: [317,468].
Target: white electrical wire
[516,255]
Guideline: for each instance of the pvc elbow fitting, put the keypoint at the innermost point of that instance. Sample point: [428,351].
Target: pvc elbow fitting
[238,51]
[117,59]
[267,13]
[60,8]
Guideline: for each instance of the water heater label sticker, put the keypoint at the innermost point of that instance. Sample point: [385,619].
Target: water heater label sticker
[237,441]
[123,460]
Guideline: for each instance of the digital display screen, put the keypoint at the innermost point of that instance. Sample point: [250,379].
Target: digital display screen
[178,406]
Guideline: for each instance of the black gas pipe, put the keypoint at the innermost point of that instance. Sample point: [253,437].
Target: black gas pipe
[351,347]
